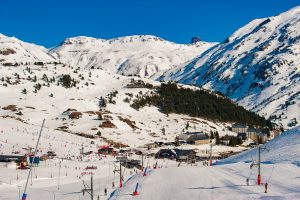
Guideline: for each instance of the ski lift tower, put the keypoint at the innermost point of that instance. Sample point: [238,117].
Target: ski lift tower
[120,172]
[260,149]
[210,154]
[89,190]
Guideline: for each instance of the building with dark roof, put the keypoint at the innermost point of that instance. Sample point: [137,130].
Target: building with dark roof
[239,128]
[194,138]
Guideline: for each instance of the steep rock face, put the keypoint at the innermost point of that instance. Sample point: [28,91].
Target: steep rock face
[14,51]
[258,66]
[140,55]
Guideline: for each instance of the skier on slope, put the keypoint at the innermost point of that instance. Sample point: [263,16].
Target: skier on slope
[105,191]
[247,181]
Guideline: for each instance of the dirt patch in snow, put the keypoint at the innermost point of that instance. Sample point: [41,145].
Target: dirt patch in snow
[75,115]
[113,143]
[129,122]
[16,118]
[10,107]
[7,52]
[107,124]
[96,112]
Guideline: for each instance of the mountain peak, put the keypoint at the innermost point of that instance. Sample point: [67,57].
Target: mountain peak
[138,55]
[293,10]
[79,40]
[2,36]
[137,38]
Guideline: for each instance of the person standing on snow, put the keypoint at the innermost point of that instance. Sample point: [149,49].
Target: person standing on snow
[247,181]
[266,187]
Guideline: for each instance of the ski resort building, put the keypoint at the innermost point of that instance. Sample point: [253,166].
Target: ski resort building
[196,138]
[166,153]
[179,154]
[151,145]
[185,154]
[225,140]
[252,133]
[16,158]
[242,136]
[239,128]
[275,133]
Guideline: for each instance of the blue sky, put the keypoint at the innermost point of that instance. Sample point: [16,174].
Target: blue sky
[48,22]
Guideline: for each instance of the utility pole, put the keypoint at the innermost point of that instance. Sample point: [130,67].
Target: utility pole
[82,149]
[142,162]
[19,192]
[121,185]
[59,166]
[86,189]
[82,152]
[259,176]
[119,171]
[53,195]
[34,155]
[92,190]
[210,160]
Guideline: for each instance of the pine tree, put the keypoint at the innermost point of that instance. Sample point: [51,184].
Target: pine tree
[45,78]
[163,130]
[177,141]
[211,135]
[187,125]
[66,81]
[24,91]
[217,138]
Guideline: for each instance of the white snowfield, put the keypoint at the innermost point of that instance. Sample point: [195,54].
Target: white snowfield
[176,183]
[217,182]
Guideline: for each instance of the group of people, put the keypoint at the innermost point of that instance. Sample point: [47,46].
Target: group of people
[206,163]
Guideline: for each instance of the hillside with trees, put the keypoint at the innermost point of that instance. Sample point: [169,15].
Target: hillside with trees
[170,98]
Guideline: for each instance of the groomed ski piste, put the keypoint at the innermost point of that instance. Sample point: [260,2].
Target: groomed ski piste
[226,179]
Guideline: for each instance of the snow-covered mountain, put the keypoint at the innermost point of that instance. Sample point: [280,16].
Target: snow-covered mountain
[140,55]
[258,66]
[13,50]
